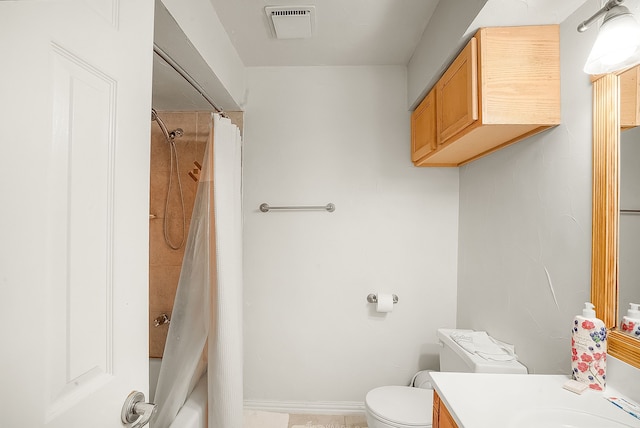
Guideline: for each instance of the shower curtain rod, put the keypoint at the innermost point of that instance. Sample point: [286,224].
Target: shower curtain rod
[182,72]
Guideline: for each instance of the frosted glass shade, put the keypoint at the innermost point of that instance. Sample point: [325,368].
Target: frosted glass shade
[617,45]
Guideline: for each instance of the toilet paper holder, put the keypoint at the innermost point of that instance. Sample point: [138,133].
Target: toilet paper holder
[373,298]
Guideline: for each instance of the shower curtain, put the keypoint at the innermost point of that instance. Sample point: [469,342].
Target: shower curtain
[205,334]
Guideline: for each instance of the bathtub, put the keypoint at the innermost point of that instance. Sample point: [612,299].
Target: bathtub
[194,412]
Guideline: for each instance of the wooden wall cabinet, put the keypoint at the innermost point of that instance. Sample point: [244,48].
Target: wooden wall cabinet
[503,87]
[457,93]
[423,128]
[441,416]
[629,98]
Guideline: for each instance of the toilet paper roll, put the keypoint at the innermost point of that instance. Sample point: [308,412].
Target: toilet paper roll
[385,302]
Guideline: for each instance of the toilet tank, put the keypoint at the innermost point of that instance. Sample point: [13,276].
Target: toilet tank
[453,358]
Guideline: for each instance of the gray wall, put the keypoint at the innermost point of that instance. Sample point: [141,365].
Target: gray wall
[440,43]
[315,135]
[525,226]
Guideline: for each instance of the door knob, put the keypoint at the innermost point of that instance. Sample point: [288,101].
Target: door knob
[136,413]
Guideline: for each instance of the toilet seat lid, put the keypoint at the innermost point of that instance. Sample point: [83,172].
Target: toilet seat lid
[401,404]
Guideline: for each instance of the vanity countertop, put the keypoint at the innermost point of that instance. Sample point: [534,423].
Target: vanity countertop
[482,400]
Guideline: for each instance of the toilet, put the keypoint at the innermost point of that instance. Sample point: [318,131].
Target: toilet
[408,407]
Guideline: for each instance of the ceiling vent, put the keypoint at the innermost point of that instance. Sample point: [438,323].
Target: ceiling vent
[291,22]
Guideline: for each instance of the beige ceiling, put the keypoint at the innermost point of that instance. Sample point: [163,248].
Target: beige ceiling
[348,32]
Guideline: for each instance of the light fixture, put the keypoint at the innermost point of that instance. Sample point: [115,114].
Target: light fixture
[618,43]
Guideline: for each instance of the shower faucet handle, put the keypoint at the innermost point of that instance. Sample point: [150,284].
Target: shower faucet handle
[162,319]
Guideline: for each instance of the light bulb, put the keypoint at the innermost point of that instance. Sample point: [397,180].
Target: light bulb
[617,45]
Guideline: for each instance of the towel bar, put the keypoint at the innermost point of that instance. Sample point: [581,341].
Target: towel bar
[265,208]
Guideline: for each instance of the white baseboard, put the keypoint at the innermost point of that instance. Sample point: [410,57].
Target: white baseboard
[307,407]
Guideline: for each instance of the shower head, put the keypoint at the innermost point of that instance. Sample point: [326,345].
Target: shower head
[163,128]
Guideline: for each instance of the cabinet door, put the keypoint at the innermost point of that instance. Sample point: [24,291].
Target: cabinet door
[457,94]
[441,416]
[445,419]
[436,411]
[423,128]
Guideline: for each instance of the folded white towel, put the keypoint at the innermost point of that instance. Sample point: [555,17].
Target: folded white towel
[480,343]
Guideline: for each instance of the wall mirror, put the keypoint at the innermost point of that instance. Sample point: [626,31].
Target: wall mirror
[615,107]
[629,226]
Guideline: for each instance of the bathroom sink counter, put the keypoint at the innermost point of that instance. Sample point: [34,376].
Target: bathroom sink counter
[481,400]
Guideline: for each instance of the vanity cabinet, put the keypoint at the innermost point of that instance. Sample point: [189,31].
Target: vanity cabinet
[630,98]
[441,416]
[504,86]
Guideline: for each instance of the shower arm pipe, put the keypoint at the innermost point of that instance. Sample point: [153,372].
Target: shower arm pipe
[182,72]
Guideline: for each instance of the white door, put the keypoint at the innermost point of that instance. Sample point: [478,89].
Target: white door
[75,99]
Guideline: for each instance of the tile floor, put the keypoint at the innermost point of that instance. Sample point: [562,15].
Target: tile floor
[326,421]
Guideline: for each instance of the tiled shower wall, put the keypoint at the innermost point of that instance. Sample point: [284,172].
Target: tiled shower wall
[164,262]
